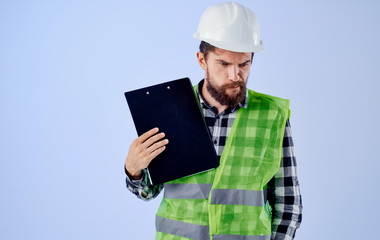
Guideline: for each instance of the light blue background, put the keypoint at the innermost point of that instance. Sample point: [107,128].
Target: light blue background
[66,128]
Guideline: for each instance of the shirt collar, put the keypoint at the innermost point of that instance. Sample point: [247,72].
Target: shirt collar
[206,105]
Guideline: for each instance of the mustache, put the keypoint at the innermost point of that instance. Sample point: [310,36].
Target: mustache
[234,84]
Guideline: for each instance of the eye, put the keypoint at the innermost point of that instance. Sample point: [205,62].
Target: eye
[224,63]
[244,64]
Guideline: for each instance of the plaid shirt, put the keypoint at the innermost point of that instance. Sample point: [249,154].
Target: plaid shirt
[283,189]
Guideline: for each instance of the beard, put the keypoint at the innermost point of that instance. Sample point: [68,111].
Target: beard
[219,92]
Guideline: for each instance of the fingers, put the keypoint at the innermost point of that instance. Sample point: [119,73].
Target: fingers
[156,152]
[157,146]
[148,134]
[144,149]
[153,139]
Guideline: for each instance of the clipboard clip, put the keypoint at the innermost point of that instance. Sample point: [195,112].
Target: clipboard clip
[168,87]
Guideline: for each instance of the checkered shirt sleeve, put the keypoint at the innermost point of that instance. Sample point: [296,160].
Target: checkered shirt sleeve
[284,193]
[142,187]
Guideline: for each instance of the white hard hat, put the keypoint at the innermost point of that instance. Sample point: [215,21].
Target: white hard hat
[230,26]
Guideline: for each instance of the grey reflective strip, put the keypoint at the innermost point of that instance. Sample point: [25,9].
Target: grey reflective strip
[187,191]
[240,237]
[239,197]
[182,229]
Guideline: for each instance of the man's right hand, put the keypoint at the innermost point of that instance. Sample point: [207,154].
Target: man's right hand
[143,150]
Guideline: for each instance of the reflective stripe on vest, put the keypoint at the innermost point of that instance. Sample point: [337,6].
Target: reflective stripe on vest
[197,232]
[240,237]
[219,196]
[187,191]
[239,197]
[182,229]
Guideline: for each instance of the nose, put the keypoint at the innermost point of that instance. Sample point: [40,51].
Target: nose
[233,73]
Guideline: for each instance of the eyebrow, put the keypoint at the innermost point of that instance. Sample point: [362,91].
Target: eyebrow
[221,60]
[248,61]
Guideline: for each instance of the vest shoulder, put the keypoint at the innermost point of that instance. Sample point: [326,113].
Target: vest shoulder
[254,96]
[257,95]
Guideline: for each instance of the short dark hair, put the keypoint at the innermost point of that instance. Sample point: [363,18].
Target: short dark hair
[205,48]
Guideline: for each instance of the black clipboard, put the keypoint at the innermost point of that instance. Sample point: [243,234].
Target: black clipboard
[173,108]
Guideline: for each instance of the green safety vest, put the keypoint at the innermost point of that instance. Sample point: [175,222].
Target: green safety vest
[229,202]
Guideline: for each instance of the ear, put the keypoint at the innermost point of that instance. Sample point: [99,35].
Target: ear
[201,60]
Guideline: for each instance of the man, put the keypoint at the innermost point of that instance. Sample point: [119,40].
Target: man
[254,193]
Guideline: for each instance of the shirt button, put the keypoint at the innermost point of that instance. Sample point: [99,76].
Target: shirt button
[215,141]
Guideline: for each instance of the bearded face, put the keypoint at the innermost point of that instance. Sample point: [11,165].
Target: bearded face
[226,75]
[229,94]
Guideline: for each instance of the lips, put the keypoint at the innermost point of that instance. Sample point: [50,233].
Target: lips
[234,85]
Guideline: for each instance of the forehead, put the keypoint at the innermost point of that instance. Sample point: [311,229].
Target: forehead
[229,56]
